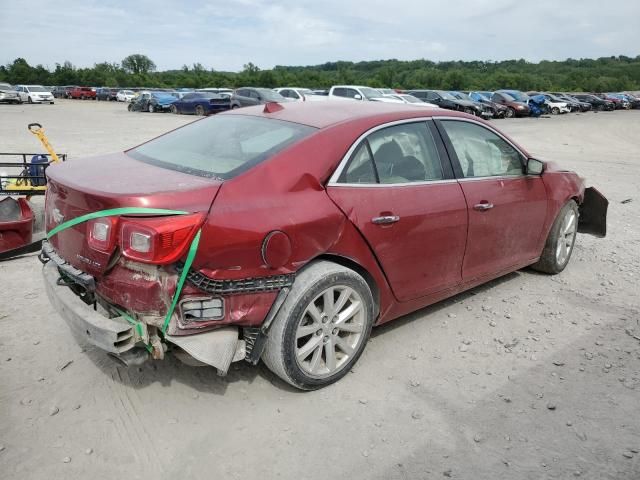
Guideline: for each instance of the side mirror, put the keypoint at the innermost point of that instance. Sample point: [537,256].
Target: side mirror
[534,167]
[357,96]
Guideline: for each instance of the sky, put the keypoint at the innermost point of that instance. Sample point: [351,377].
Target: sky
[225,35]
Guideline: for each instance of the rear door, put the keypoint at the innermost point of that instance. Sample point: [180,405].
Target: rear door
[506,208]
[397,187]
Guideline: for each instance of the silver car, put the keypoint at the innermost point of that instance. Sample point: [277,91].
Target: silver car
[8,94]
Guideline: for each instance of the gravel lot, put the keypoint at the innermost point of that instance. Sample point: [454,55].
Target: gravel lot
[528,377]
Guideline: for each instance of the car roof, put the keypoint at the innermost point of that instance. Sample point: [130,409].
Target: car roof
[332,112]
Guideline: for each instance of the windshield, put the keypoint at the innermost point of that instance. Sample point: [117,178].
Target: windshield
[37,89]
[370,93]
[447,96]
[411,99]
[479,97]
[5,87]
[508,97]
[222,146]
[519,96]
[270,95]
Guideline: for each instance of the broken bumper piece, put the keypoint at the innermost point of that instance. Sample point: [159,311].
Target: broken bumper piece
[217,348]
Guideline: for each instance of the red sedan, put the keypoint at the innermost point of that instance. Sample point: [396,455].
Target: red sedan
[284,233]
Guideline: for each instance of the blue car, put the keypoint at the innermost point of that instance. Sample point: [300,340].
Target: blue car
[201,103]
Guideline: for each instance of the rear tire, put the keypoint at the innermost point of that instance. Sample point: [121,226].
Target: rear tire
[199,110]
[130,107]
[559,245]
[322,327]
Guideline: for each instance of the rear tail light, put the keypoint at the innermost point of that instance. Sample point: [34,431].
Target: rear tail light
[102,233]
[160,240]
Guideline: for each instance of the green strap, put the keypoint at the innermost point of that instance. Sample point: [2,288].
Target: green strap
[137,325]
[112,213]
[183,276]
[135,211]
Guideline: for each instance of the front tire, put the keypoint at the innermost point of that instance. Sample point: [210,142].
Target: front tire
[29,100]
[559,245]
[510,113]
[150,108]
[174,109]
[322,327]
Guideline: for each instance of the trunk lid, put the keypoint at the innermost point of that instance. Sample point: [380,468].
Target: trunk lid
[93,184]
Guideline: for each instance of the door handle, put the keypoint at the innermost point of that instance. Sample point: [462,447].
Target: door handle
[483,206]
[386,220]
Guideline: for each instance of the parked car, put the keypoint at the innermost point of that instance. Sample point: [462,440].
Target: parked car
[387,91]
[248,96]
[226,91]
[201,103]
[582,106]
[627,101]
[618,103]
[556,105]
[596,102]
[34,94]
[360,93]
[446,100]
[125,95]
[83,93]
[410,99]
[61,91]
[633,99]
[291,233]
[500,111]
[8,94]
[299,94]
[107,94]
[515,108]
[148,101]
[486,110]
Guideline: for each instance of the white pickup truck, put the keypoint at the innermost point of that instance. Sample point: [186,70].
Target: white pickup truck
[365,94]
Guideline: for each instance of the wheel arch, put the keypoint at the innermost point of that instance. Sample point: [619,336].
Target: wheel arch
[359,269]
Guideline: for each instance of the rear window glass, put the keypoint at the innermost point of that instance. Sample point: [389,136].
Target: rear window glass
[223,146]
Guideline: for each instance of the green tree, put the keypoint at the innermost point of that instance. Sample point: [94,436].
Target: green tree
[138,64]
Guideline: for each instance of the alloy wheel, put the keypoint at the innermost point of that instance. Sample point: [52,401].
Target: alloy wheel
[330,331]
[566,237]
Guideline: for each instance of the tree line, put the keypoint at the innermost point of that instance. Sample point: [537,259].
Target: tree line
[616,73]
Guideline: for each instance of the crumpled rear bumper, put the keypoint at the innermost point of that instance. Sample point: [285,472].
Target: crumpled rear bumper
[114,335]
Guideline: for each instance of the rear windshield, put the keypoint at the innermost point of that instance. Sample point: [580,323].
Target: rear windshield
[222,146]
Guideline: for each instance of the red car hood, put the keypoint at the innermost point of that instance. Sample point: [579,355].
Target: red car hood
[89,185]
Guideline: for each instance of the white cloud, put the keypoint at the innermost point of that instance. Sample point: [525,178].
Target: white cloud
[227,34]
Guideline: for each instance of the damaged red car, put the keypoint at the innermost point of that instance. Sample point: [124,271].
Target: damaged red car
[284,233]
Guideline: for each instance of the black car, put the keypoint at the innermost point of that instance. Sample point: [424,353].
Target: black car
[247,96]
[596,102]
[582,106]
[107,94]
[446,100]
[486,110]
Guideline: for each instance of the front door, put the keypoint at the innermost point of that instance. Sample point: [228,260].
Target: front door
[399,191]
[506,208]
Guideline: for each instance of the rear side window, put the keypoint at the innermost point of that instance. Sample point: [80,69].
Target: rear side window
[400,154]
[223,146]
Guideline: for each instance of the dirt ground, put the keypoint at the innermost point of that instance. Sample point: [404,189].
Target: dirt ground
[528,377]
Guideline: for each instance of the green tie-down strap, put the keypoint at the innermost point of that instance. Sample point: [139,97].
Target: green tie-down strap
[140,211]
[139,327]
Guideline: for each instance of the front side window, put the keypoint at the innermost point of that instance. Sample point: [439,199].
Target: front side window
[403,153]
[482,153]
[221,146]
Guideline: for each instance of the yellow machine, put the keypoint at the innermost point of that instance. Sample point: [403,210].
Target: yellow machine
[26,184]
